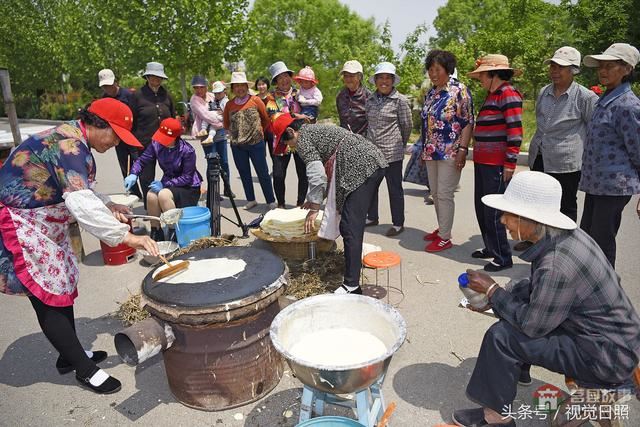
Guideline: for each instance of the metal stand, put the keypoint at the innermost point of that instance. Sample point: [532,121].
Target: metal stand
[368,403]
[213,197]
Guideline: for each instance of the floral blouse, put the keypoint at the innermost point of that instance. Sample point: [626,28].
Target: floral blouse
[45,166]
[444,115]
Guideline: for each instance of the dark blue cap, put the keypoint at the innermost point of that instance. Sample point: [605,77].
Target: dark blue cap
[199,81]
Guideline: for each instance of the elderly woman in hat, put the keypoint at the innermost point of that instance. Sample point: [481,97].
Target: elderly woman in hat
[570,316]
[207,124]
[352,99]
[611,159]
[447,123]
[150,105]
[180,183]
[46,182]
[283,100]
[389,128]
[563,110]
[497,135]
[345,168]
[246,119]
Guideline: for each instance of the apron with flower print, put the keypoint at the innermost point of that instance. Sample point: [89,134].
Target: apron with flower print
[43,261]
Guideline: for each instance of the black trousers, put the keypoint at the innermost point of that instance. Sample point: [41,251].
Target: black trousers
[504,352]
[352,220]
[488,179]
[393,176]
[601,220]
[125,160]
[58,325]
[280,164]
[147,175]
[569,182]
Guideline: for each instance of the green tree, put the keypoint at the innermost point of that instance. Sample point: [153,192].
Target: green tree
[321,34]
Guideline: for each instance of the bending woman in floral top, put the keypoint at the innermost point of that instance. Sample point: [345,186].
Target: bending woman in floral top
[447,118]
[46,183]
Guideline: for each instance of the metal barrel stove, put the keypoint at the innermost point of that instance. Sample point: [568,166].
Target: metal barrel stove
[214,334]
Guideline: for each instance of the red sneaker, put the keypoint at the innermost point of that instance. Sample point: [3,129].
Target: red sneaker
[438,245]
[432,236]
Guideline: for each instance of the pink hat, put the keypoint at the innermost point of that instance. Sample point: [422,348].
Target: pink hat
[306,74]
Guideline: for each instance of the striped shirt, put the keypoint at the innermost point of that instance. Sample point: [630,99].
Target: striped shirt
[573,288]
[562,128]
[498,131]
[390,123]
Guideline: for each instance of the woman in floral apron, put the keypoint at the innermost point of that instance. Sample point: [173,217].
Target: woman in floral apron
[345,168]
[45,184]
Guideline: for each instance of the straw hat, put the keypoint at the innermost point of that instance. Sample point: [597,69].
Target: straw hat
[385,68]
[532,195]
[492,62]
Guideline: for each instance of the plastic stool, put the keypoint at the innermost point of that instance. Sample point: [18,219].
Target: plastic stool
[384,260]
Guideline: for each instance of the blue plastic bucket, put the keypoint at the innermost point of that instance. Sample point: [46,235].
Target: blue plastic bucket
[194,224]
[331,421]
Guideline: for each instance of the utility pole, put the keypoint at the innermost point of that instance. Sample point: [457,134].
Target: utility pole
[10,106]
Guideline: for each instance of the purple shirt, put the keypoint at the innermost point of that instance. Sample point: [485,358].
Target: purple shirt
[177,163]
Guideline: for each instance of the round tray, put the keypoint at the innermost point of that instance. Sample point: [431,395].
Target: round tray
[295,247]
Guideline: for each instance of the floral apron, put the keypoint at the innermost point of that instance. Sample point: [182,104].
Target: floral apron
[38,242]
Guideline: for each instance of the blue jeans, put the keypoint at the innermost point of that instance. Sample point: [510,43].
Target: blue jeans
[219,147]
[256,152]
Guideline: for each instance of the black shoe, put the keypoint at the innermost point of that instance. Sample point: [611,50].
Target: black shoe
[156,234]
[110,385]
[481,253]
[344,290]
[370,223]
[475,418]
[65,367]
[493,266]
[228,193]
[525,378]
[393,231]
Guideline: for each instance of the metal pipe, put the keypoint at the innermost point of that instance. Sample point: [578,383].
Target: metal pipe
[143,340]
[10,106]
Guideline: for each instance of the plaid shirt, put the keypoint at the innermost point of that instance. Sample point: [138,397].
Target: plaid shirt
[574,288]
[390,123]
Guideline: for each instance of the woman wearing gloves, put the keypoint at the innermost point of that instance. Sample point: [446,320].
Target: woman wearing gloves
[180,184]
[45,183]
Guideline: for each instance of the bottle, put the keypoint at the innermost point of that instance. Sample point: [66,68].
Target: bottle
[476,299]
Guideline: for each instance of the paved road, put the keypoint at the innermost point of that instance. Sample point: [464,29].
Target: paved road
[427,376]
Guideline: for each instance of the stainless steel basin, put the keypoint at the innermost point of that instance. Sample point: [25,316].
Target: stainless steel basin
[338,311]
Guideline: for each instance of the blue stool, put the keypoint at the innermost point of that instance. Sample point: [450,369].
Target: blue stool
[368,403]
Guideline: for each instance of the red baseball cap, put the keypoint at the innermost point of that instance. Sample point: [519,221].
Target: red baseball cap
[119,117]
[281,124]
[169,130]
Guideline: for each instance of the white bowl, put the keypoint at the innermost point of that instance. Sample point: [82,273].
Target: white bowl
[165,247]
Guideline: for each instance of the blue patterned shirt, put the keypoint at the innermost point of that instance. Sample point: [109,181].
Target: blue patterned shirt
[611,158]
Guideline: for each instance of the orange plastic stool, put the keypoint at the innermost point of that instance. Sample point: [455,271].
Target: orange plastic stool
[384,260]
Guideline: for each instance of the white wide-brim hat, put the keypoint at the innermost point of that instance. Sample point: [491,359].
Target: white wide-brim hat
[238,77]
[533,195]
[155,69]
[385,68]
[278,68]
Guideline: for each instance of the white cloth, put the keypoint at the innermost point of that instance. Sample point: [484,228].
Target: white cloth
[92,215]
[330,226]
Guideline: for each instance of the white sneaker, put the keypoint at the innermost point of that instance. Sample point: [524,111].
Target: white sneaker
[250,205]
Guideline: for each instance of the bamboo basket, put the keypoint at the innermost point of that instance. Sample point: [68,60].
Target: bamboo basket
[296,247]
